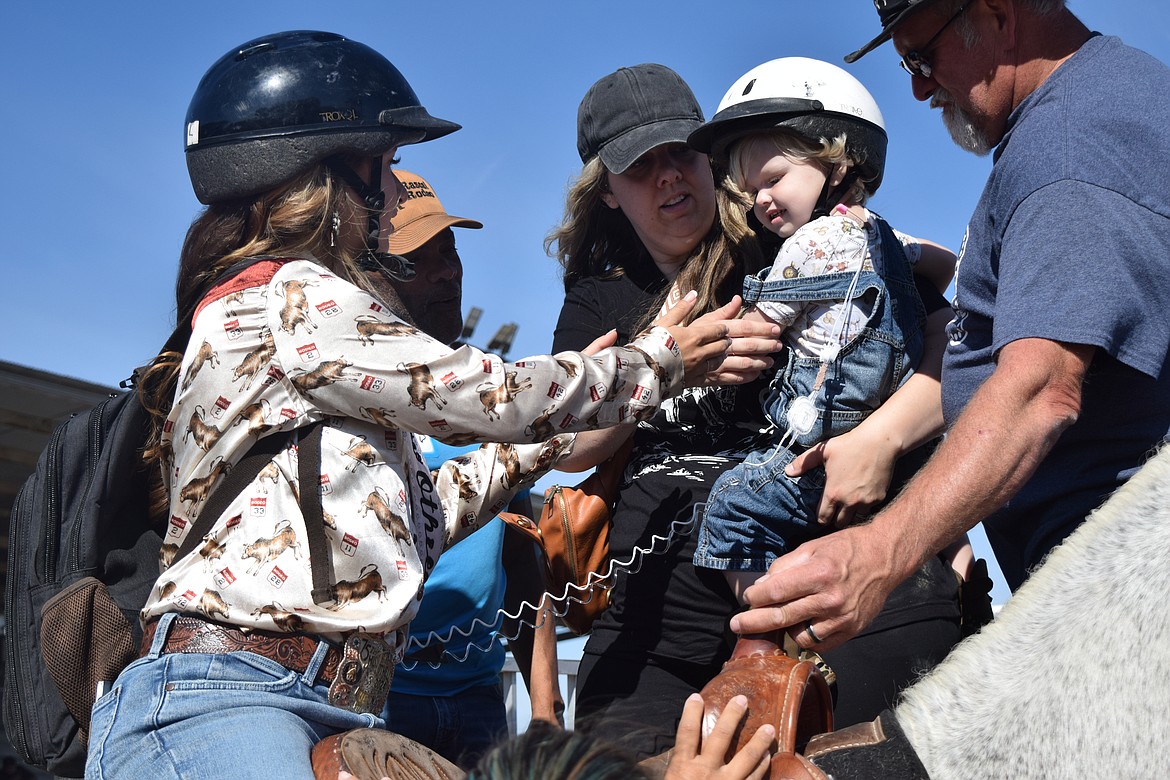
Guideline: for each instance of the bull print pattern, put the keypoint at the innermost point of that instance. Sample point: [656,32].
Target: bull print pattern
[267,549]
[295,344]
[369,326]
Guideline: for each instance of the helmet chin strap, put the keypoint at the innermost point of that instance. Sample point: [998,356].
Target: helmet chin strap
[831,197]
[374,198]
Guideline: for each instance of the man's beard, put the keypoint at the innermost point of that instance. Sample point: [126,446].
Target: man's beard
[960,125]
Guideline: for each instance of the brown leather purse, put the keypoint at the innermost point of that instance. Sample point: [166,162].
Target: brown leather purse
[574,529]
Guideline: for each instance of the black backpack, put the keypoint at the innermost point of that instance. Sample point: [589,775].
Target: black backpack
[83,556]
[79,521]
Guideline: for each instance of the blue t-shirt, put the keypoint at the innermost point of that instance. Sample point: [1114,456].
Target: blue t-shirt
[466,584]
[1070,242]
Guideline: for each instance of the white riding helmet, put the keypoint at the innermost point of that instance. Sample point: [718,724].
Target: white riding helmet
[812,97]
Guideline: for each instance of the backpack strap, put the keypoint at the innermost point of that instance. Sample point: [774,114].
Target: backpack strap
[240,476]
[309,476]
[309,498]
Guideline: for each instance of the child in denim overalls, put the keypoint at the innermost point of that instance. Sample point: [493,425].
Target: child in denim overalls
[841,286]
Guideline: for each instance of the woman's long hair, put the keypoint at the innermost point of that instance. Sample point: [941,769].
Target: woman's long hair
[595,241]
[294,220]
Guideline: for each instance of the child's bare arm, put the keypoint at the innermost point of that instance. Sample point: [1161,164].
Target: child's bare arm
[936,264]
[753,314]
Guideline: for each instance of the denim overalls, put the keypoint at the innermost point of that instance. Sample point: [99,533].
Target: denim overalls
[757,513]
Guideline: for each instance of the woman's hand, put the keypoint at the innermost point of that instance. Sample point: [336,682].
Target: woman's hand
[717,348]
[695,757]
[604,341]
[858,468]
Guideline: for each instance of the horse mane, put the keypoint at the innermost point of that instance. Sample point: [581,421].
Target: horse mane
[1070,678]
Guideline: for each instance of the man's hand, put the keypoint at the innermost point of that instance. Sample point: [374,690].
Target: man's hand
[836,584]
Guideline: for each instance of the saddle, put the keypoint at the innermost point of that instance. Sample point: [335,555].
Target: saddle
[794,697]
[373,754]
[787,692]
[790,693]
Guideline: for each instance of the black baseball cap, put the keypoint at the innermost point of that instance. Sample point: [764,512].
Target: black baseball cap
[890,12]
[631,111]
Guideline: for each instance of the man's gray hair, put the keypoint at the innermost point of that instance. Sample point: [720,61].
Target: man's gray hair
[967,30]
[1043,7]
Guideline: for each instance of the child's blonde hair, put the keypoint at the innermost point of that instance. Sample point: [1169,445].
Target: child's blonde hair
[826,152]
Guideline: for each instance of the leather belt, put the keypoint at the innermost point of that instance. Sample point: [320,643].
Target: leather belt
[190,634]
[358,673]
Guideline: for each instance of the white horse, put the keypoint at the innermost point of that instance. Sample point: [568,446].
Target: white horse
[1072,678]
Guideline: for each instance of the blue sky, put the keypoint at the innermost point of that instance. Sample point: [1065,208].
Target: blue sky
[96,198]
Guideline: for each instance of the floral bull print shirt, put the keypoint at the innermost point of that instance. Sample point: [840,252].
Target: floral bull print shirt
[285,344]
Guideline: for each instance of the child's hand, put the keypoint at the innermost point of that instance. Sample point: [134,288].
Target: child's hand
[696,758]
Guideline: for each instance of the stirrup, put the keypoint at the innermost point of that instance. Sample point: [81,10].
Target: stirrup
[372,754]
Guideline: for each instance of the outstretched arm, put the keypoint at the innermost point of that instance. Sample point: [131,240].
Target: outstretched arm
[750,342]
[593,447]
[839,582]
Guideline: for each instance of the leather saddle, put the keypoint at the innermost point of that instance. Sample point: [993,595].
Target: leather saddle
[790,693]
[372,754]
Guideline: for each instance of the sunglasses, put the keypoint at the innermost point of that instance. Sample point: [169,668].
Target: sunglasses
[915,62]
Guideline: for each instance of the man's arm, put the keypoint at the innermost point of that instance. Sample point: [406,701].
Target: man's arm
[841,581]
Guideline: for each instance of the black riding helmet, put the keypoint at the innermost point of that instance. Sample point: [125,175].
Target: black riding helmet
[270,109]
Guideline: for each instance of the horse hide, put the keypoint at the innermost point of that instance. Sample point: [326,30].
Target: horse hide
[1072,678]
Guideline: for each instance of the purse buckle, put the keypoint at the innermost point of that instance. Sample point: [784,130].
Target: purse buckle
[363,675]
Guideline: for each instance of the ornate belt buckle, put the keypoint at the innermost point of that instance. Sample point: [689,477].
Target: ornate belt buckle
[363,674]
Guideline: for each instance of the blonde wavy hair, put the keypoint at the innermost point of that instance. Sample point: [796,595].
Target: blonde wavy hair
[293,220]
[826,152]
[595,241]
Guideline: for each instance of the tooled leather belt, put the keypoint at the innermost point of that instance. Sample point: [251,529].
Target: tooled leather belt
[193,635]
[358,673]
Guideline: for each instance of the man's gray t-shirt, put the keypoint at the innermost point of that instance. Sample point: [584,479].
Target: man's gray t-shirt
[1071,242]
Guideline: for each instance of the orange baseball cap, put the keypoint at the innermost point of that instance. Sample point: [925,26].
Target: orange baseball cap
[421,216]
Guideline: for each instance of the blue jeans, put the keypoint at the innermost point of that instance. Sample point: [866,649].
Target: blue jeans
[755,512]
[190,715]
[460,728]
[760,513]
